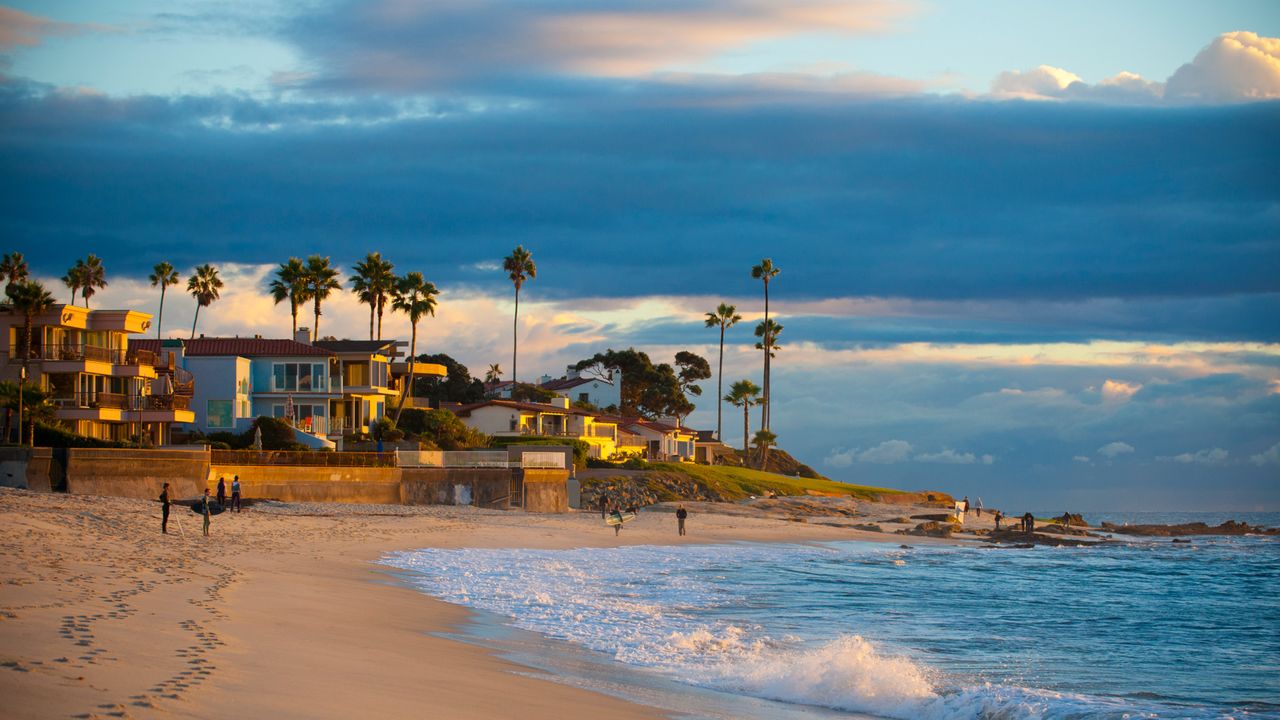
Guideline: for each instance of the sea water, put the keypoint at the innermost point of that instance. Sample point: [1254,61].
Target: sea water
[1147,628]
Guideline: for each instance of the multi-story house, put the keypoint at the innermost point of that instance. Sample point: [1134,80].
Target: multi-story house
[582,387]
[101,384]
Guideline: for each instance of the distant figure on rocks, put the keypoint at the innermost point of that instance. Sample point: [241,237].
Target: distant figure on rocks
[965,501]
[998,517]
[1028,523]
[681,516]
[222,491]
[235,493]
[204,509]
[1066,519]
[164,509]
[979,507]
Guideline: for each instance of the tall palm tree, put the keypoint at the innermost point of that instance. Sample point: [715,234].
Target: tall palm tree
[724,317]
[744,394]
[494,374]
[205,286]
[29,298]
[766,271]
[322,279]
[763,440]
[373,280]
[767,331]
[13,269]
[416,298]
[290,283]
[75,279]
[163,275]
[519,267]
[94,279]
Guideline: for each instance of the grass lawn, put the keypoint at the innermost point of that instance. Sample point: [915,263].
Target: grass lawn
[736,483]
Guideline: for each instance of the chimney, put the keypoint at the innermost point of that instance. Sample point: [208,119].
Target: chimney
[569,372]
[302,335]
[560,401]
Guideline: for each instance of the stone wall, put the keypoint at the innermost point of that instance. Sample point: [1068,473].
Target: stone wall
[294,483]
[482,487]
[545,491]
[26,468]
[134,473]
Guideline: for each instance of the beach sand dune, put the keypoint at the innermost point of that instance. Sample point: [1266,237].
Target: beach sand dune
[280,613]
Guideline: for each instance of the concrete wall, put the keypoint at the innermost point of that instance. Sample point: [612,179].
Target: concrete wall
[136,473]
[545,491]
[26,468]
[483,487]
[292,483]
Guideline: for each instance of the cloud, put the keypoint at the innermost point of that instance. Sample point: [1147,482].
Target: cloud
[1113,449]
[1082,459]
[1270,456]
[839,457]
[1118,391]
[950,457]
[20,29]
[887,452]
[1216,456]
[1236,66]
[1041,82]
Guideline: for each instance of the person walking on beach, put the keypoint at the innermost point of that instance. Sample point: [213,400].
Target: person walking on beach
[681,516]
[617,515]
[164,509]
[966,505]
[235,493]
[979,507]
[604,507]
[222,492]
[204,510]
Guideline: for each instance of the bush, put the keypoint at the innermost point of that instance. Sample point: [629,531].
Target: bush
[219,445]
[581,448]
[276,435]
[442,429]
[600,463]
[54,436]
[230,440]
[635,463]
[385,430]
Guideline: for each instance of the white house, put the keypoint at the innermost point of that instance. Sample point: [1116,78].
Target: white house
[581,387]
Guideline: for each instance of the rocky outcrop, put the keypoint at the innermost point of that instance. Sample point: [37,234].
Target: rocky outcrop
[1230,527]
[931,528]
[1022,539]
[644,489]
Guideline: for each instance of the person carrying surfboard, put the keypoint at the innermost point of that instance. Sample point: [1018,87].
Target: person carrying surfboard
[616,516]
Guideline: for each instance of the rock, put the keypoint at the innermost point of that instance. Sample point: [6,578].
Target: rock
[932,529]
[869,527]
[901,519]
[940,517]
[1230,527]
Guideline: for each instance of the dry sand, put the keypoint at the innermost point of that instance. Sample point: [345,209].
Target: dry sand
[280,613]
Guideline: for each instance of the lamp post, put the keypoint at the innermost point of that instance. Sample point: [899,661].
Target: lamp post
[22,385]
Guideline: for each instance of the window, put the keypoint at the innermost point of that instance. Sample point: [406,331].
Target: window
[298,376]
[584,397]
[218,414]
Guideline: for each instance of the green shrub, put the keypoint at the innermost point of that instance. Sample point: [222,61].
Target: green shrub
[635,463]
[276,435]
[54,436]
[219,445]
[581,448]
[385,430]
[442,428]
[230,440]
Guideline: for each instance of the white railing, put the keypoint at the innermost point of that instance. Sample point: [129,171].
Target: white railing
[542,460]
[453,458]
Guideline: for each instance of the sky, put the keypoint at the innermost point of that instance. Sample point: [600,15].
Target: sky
[1030,251]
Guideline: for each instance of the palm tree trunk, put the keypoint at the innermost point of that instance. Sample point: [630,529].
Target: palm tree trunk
[720,388]
[408,388]
[315,331]
[195,320]
[381,301]
[515,342]
[160,317]
[293,310]
[372,309]
[746,434]
[768,350]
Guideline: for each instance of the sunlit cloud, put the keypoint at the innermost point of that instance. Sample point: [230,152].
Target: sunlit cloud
[1213,456]
[1115,449]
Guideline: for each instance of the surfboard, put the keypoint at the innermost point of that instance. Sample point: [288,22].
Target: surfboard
[615,520]
[214,507]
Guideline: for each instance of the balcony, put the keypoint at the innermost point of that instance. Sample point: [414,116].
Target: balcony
[118,401]
[74,352]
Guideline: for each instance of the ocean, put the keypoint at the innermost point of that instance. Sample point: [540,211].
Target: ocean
[1145,629]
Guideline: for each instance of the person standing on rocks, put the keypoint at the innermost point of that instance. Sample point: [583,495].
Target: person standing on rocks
[966,505]
[235,493]
[164,509]
[1028,523]
[998,517]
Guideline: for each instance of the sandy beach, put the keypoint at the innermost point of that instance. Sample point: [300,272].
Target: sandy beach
[281,612]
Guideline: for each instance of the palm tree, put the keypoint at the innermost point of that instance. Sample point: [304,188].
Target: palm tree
[205,286]
[724,317]
[322,278]
[519,267]
[416,298]
[744,394]
[290,284]
[763,440]
[93,279]
[494,374]
[768,331]
[373,280]
[163,275]
[765,271]
[75,279]
[13,268]
[29,298]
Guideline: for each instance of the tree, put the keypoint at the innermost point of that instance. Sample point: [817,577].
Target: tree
[724,317]
[163,275]
[322,279]
[647,389]
[29,298]
[205,286]
[74,279]
[494,374]
[519,267]
[691,368]
[456,386]
[13,269]
[765,272]
[416,298]
[290,283]
[443,429]
[373,280]
[94,278]
[767,331]
[763,440]
[744,394]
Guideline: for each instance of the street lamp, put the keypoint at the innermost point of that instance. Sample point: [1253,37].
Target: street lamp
[22,385]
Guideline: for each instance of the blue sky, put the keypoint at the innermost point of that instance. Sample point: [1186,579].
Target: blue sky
[1029,250]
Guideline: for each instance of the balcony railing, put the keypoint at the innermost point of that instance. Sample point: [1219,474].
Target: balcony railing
[291,457]
[73,352]
[118,401]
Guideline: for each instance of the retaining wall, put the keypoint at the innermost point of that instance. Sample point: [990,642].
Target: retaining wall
[293,483]
[26,468]
[482,487]
[545,491]
[123,472]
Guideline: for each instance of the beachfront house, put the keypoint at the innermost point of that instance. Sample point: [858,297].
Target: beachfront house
[101,383]
[581,387]
[326,390]
[661,440]
[557,419]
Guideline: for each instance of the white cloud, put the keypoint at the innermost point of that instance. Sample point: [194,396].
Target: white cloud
[1117,391]
[949,457]
[1112,449]
[1042,82]
[839,458]
[1236,66]
[1216,456]
[887,452]
[1270,456]
[1083,459]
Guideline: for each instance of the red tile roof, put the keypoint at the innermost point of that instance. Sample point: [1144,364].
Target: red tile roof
[564,383]
[244,347]
[465,410]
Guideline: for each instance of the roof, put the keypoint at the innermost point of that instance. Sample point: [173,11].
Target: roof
[465,410]
[243,347]
[356,346]
[565,383]
[639,422]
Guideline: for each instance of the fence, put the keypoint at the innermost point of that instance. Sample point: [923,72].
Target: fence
[453,458]
[292,457]
[542,460]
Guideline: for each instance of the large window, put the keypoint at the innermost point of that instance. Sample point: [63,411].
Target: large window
[218,414]
[302,377]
